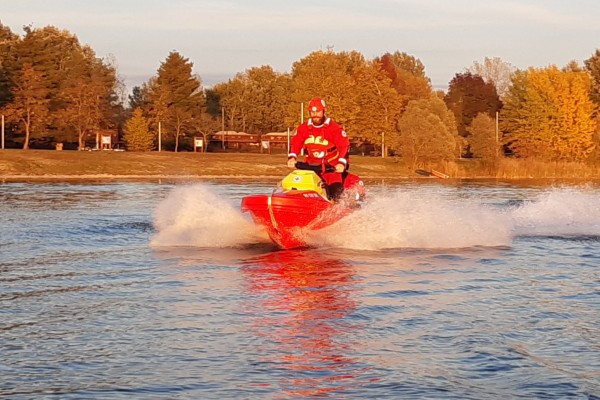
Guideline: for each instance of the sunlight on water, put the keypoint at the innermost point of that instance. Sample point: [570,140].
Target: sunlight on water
[416,218]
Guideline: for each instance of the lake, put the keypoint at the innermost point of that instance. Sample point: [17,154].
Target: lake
[433,289]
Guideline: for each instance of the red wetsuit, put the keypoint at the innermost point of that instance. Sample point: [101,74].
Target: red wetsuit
[325,144]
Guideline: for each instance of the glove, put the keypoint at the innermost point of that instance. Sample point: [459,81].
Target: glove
[291,162]
[339,168]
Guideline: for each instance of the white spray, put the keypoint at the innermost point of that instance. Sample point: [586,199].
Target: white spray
[400,218]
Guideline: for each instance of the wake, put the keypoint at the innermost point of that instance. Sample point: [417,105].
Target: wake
[415,218]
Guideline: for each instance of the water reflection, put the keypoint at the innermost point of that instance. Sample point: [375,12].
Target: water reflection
[304,308]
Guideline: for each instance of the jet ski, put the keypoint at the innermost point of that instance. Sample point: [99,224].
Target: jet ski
[300,204]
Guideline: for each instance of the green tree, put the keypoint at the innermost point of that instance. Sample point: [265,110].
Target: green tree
[267,100]
[427,132]
[137,98]
[482,139]
[255,101]
[175,96]
[137,134]
[548,114]
[29,106]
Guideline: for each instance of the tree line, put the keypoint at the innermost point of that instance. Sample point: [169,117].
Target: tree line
[51,86]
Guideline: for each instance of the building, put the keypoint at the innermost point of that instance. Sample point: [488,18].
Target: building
[232,140]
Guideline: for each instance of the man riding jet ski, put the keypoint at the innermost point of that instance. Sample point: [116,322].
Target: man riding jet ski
[326,144]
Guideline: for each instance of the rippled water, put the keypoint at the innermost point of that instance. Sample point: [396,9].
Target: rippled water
[146,290]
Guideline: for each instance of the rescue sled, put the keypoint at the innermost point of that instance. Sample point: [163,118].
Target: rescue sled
[300,204]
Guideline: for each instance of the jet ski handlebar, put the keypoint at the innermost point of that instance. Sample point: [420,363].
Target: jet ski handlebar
[318,168]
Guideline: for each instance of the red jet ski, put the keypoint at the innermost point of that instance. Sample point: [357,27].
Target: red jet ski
[300,204]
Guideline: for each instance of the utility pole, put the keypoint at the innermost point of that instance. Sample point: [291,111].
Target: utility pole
[2,131]
[497,139]
[159,137]
[223,127]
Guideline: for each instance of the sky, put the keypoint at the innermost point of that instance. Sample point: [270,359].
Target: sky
[225,37]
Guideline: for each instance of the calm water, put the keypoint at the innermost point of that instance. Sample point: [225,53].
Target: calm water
[431,290]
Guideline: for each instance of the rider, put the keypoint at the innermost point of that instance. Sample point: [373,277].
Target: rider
[326,143]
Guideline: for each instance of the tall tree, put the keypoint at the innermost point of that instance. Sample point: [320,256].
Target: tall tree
[407,76]
[8,40]
[80,87]
[267,99]
[86,96]
[592,65]
[379,102]
[29,106]
[495,71]
[549,115]
[255,101]
[469,95]
[331,76]
[137,98]
[176,95]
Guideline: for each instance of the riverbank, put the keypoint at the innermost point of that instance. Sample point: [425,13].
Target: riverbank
[49,164]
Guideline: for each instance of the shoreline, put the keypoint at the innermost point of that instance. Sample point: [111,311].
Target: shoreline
[48,165]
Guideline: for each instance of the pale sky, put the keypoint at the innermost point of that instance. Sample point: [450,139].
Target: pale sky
[224,37]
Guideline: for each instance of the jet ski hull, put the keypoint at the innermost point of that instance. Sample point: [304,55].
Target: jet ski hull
[289,216]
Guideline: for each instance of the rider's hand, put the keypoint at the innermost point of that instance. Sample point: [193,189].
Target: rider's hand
[291,162]
[339,168]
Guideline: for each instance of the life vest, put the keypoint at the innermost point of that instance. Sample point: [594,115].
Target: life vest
[318,147]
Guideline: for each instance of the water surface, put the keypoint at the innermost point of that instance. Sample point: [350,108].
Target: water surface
[145,290]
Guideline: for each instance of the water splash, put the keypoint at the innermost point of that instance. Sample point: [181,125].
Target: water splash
[559,212]
[196,216]
[416,218]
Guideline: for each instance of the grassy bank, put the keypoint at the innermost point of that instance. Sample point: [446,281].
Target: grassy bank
[51,164]
[65,164]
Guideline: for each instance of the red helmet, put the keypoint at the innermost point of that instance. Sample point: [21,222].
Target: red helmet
[316,104]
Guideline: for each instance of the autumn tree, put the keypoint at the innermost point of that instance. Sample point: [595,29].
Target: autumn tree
[469,95]
[29,105]
[8,40]
[378,99]
[331,76]
[483,139]
[407,76]
[175,96]
[427,132]
[137,134]
[592,65]
[548,114]
[255,100]
[86,96]
[80,87]
[267,96]
[495,71]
